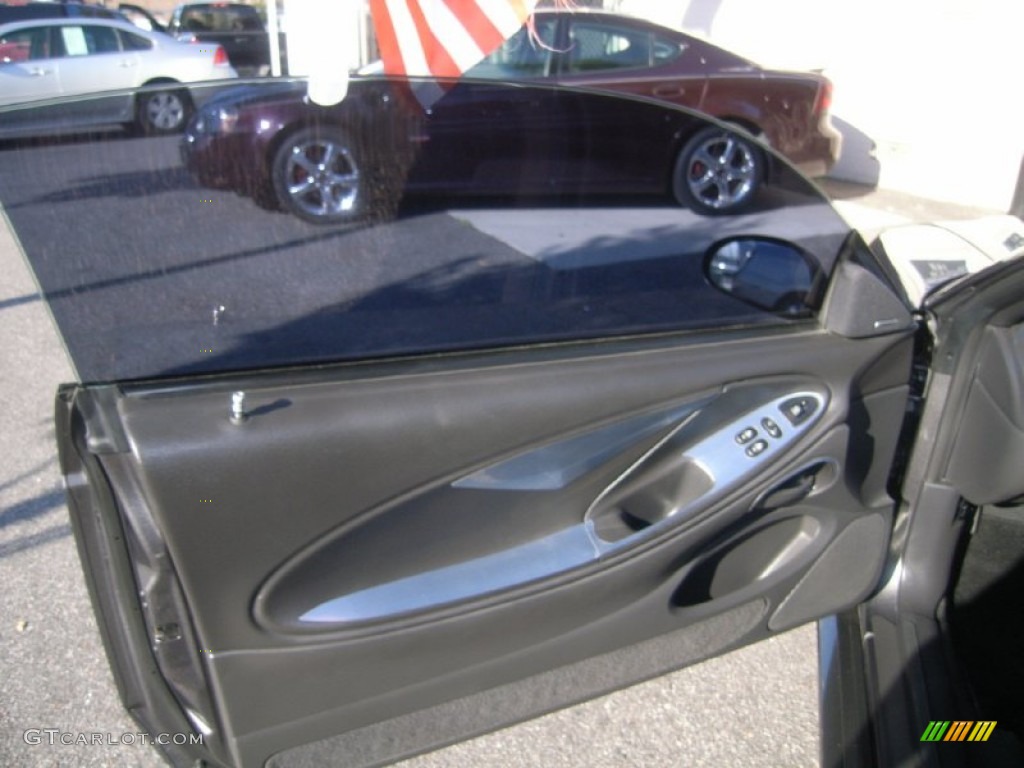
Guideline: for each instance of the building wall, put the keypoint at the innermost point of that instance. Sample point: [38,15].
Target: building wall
[927,92]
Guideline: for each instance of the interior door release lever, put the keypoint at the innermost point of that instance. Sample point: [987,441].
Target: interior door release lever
[796,488]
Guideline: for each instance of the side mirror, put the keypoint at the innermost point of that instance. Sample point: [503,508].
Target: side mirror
[770,274]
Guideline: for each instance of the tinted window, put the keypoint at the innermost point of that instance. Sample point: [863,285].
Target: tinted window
[132,42]
[205,18]
[25,45]
[666,50]
[500,219]
[595,47]
[101,39]
[522,55]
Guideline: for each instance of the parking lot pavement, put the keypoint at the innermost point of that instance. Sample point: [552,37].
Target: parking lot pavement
[756,706]
[53,673]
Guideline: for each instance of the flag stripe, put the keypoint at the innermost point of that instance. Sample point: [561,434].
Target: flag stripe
[454,42]
[523,9]
[507,16]
[443,38]
[400,47]
[436,62]
[485,33]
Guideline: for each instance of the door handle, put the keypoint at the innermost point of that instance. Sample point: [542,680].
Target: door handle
[799,486]
[788,493]
[38,72]
[669,91]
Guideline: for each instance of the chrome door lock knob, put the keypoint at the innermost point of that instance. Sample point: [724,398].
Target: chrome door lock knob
[238,414]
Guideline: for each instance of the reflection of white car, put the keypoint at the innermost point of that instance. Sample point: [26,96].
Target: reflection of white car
[50,58]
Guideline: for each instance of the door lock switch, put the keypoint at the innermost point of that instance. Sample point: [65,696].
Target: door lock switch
[772,428]
[797,410]
[756,449]
[748,435]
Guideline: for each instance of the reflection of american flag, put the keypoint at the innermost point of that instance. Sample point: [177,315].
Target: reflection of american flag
[443,38]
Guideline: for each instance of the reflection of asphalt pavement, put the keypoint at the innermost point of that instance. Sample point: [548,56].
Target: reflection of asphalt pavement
[135,258]
[753,707]
[575,238]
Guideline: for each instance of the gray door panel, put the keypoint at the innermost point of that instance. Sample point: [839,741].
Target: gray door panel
[369,544]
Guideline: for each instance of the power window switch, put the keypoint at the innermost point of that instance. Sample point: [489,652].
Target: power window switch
[756,449]
[748,435]
[772,428]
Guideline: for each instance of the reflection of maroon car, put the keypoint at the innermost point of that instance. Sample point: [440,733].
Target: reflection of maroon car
[335,164]
[789,110]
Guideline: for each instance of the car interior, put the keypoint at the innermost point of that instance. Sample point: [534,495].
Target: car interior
[936,641]
[985,611]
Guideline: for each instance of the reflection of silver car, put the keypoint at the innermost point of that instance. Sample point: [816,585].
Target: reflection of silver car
[49,58]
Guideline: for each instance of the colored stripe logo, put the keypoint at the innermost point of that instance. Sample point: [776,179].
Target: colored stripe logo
[958,730]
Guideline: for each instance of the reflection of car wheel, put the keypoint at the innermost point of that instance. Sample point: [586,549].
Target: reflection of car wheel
[316,176]
[717,172]
[161,112]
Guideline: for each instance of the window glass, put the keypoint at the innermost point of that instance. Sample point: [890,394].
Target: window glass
[595,47]
[522,55]
[25,45]
[132,42]
[507,215]
[666,50]
[101,39]
[220,18]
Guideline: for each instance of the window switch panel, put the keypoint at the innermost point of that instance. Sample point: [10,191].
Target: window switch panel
[748,435]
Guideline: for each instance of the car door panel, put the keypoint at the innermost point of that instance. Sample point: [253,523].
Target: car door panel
[94,63]
[29,80]
[28,69]
[378,491]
